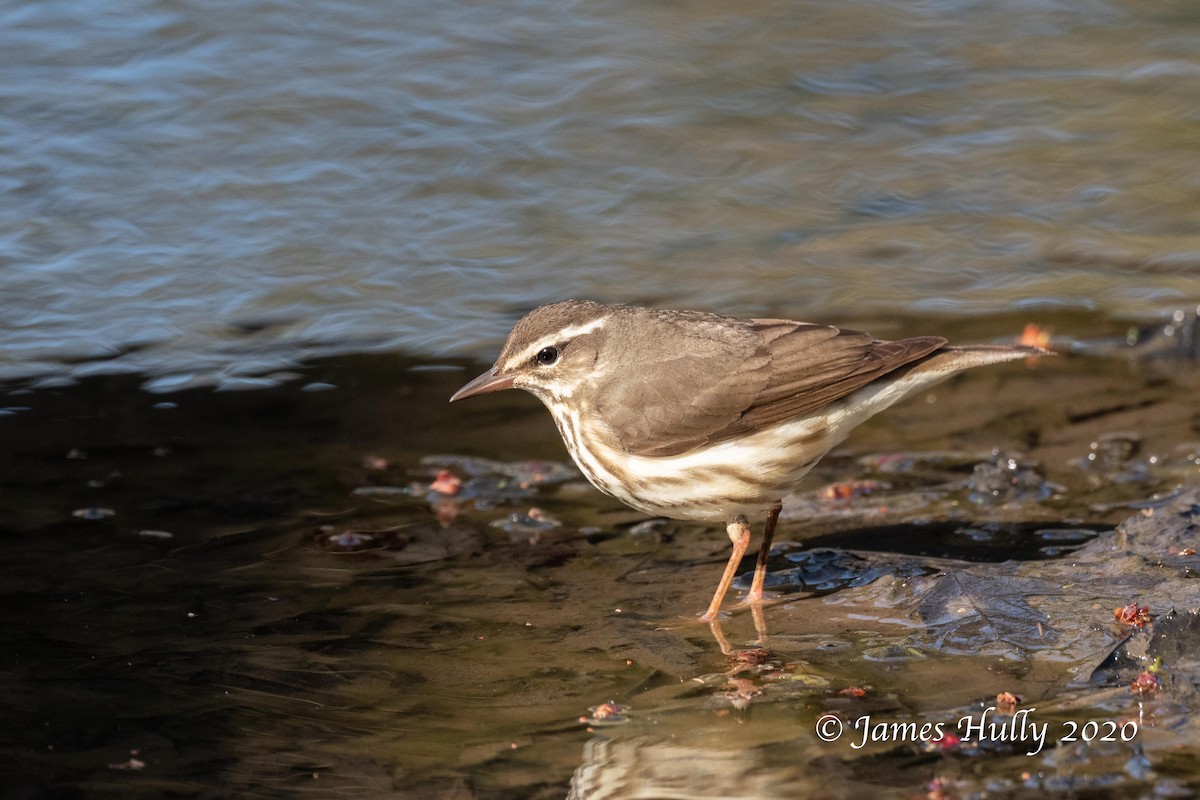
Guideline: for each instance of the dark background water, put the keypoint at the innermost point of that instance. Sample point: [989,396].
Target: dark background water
[336,205]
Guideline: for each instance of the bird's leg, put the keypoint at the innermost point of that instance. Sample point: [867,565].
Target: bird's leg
[714,625]
[760,623]
[739,534]
[764,551]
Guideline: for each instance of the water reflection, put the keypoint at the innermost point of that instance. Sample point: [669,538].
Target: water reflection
[648,767]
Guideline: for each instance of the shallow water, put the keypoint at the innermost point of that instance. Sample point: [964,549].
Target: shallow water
[255,594]
[203,190]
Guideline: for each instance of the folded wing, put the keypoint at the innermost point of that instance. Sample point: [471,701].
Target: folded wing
[775,371]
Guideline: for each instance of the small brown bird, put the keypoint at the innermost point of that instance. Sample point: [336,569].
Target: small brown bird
[696,416]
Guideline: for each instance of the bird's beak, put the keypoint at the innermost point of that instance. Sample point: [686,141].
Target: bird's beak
[487,382]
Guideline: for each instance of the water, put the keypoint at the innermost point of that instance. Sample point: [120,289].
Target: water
[339,205]
[206,190]
[255,594]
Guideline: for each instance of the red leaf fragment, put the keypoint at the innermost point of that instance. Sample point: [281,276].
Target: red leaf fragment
[446,482]
[1006,703]
[1133,615]
[1146,684]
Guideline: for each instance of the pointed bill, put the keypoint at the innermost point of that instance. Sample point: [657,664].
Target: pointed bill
[487,382]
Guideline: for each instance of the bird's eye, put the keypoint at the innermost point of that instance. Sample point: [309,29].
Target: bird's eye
[547,356]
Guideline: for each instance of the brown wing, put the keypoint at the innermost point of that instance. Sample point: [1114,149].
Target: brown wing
[664,405]
[776,371]
[814,365]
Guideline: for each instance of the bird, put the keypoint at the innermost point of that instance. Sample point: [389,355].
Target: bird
[702,417]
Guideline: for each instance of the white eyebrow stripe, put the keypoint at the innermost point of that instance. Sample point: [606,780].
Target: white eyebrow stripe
[565,334]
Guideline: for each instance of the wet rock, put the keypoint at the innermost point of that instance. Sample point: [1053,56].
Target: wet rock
[1005,479]
[851,490]
[530,524]
[1057,614]
[351,540]
[488,483]
[827,570]
[152,534]
[93,514]
[902,463]
[382,491]
[1114,450]
[375,463]
[404,544]
[132,763]
[1176,338]
[489,490]
[659,528]
[605,714]
[1066,540]
[1114,458]
[525,474]
[892,653]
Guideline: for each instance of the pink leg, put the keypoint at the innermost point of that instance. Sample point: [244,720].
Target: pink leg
[760,568]
[739,534]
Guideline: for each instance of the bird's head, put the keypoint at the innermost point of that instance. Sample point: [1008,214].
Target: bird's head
[550,353]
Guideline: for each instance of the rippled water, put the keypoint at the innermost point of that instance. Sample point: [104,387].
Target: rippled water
[205,189]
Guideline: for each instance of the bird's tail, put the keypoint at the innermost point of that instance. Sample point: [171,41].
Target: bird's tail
[923,374]
[947,360]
